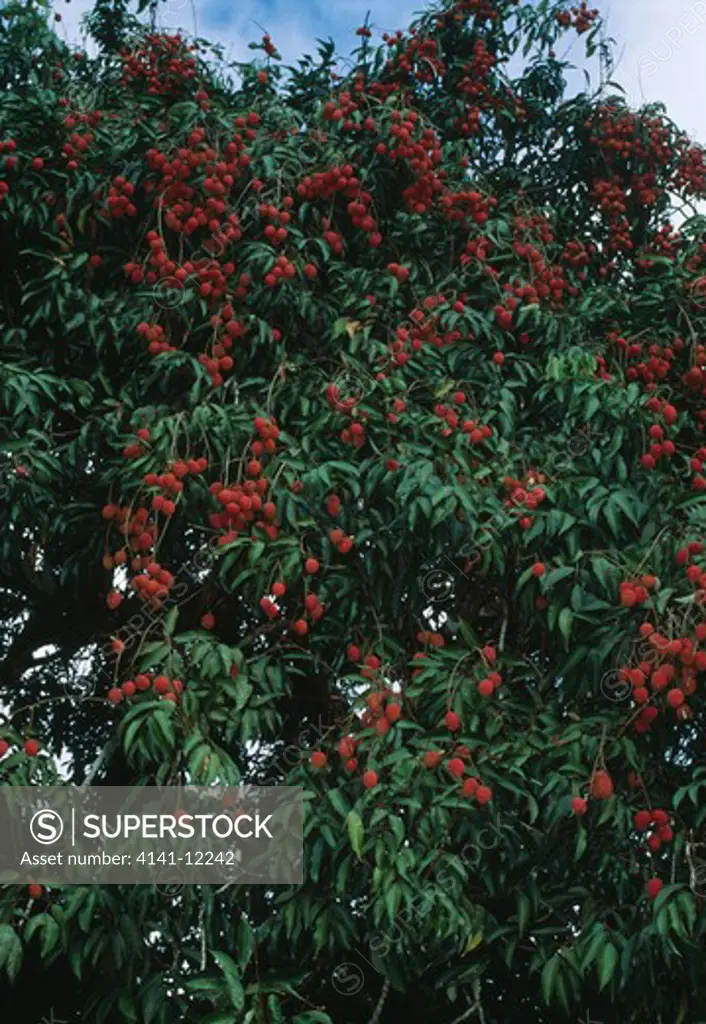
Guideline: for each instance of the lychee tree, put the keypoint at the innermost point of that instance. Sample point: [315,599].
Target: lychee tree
[353,439]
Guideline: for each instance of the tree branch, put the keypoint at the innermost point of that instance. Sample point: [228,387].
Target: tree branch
[380,1003]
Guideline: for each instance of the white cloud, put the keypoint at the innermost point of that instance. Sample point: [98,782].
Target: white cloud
[293,30]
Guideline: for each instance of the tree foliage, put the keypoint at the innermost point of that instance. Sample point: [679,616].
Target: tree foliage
[353,439]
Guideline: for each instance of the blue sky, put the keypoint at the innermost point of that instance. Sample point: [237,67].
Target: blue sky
[662,43]
[293,24]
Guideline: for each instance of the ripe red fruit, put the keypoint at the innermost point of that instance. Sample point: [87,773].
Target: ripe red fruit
[346,747]
[31,748]
[484,794]
[301,627]
[279,589]
[485,688]
[659,817]
[35,891]
[432,758]
[456,767]
[208,620]
[128,688]
[503,318]
[662,676]
[538,569]
[452,721]
[161,684]
[318,759]
[654,842]
[578,805]
[311,566]
[498,358]
[654,887]
[370,779]
[675,698]
[393,712]
[4,747]
[469,787]
[353,653]
[602,786]
[641,820]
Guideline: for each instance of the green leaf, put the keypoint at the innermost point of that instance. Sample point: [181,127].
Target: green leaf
[550,973]
[356,832]
[243,692]
[245,942]
[255,552]
[607,965]
[555,575]
[339,802]
[581,843]
[171,619]
[10,951]
[312,1017]
[566,619]
[50,935]
[232,976]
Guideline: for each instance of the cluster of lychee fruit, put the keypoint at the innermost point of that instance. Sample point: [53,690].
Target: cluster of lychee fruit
[160,685]
[31,747]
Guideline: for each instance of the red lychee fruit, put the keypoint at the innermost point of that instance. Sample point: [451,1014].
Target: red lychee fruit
[602,786]
[654,887]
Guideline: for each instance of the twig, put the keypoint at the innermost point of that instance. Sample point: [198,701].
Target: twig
[202,912]
[479,1004]
[93,770]
[380,1003]
[466,1014]
[475,1007]
[503,631]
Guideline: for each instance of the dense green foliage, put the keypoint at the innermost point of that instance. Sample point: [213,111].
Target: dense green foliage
[423,345]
